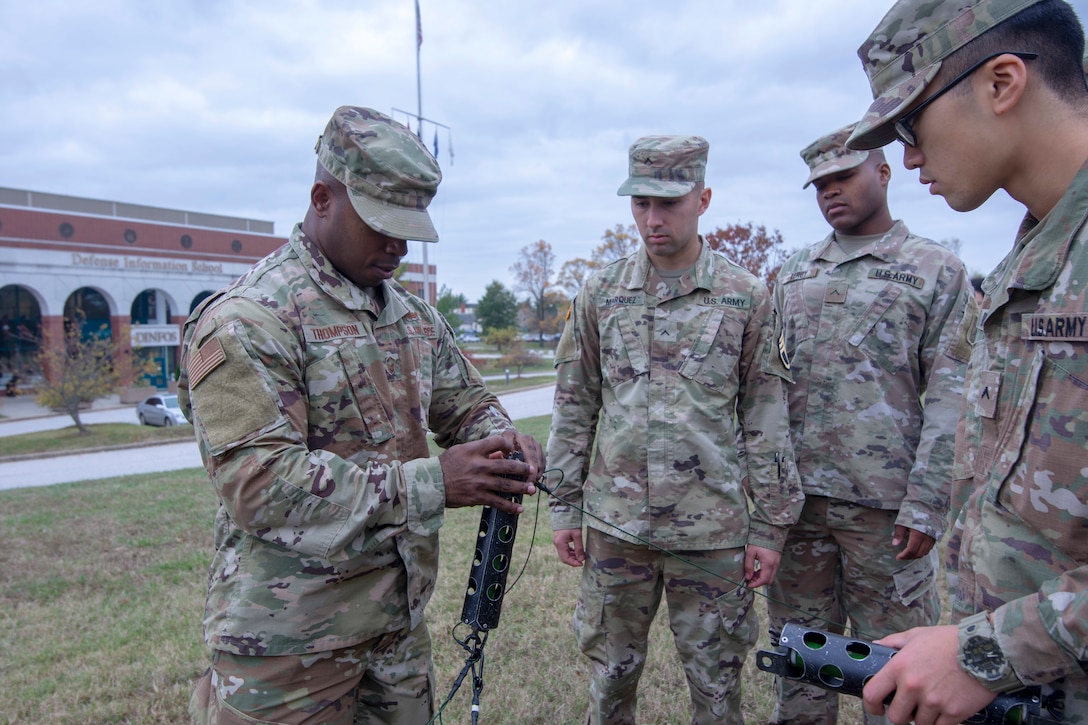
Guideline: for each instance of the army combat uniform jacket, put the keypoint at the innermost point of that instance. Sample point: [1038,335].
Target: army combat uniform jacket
[651,379]
[1020,546]
[868,335]
[311,410]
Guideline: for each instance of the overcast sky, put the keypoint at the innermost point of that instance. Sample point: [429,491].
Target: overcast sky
[215,105]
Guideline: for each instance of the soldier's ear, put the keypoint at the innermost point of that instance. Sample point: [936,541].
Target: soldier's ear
[321,196]
[704,199]
[884,169]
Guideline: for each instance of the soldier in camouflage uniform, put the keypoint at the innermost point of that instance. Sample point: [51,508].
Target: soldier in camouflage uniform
[662,351]
[312,382]
[989,94]
[870,318]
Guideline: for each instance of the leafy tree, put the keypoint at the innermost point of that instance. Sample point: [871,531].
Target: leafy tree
[557,305]
[448,304]
[502,338]
[81,368]
[518,357]
[752,247]
[555,313]
[533,272]
[498,308]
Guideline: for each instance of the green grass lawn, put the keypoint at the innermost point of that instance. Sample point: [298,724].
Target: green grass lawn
[102,590]
[103,435]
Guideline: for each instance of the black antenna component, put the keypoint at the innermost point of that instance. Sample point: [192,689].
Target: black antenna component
[844,665]
[491,564]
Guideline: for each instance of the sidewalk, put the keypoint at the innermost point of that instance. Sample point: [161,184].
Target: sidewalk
[26,406]
[46,470]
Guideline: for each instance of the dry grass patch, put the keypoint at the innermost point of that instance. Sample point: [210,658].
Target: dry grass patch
[102,593]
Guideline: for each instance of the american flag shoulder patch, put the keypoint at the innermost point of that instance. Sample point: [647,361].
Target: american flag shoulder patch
[207,358]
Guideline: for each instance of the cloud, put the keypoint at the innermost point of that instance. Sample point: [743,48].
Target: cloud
[215,107]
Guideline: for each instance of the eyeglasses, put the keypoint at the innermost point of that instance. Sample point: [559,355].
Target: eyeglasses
[903,129]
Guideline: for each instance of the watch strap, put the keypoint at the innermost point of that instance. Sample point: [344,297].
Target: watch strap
[981,657]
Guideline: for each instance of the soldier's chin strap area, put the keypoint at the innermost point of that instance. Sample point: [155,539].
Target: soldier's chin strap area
[485,591]
[844,664]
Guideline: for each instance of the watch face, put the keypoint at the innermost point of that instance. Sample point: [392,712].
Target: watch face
[984,658]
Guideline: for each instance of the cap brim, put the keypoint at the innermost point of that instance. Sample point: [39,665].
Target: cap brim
[392,220]
[654,187]
[877,128]
[842,163]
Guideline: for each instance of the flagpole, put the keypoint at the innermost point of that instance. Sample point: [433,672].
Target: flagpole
[419,132]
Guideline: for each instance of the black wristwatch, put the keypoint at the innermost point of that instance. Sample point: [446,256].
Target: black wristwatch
[981,657]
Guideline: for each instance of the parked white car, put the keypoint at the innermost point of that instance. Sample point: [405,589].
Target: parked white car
[160,410]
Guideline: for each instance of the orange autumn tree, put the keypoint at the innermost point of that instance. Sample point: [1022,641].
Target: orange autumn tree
[752,247]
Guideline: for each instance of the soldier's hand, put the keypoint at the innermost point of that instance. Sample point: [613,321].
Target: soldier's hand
[768,560]
[568,542]
[917,546]
[531,451]
[925,680]
[475,474]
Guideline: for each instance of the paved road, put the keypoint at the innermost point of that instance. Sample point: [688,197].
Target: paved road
[169,457]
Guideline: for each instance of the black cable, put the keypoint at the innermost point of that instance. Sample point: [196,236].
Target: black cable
[529,553]
[474,645]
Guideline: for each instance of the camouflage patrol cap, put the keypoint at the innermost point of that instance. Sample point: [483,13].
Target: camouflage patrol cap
[829,155]
[905,51]
[390,175]
[665,166]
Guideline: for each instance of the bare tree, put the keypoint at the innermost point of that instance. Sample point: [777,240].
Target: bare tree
[954,244]
[573,274]
[616,243]
[533,272]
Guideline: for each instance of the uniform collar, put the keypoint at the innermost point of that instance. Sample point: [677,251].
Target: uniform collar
[702,272]
[325,276]
[886,250]
[1042,246]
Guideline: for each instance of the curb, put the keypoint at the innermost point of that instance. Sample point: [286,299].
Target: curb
[51,414]
[97,449]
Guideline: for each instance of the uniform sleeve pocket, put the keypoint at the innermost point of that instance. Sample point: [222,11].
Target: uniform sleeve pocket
[235,401]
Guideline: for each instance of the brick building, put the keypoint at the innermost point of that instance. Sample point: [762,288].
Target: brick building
[126,266]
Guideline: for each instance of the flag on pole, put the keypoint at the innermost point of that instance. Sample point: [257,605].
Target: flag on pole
[436,142]
[419,27]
